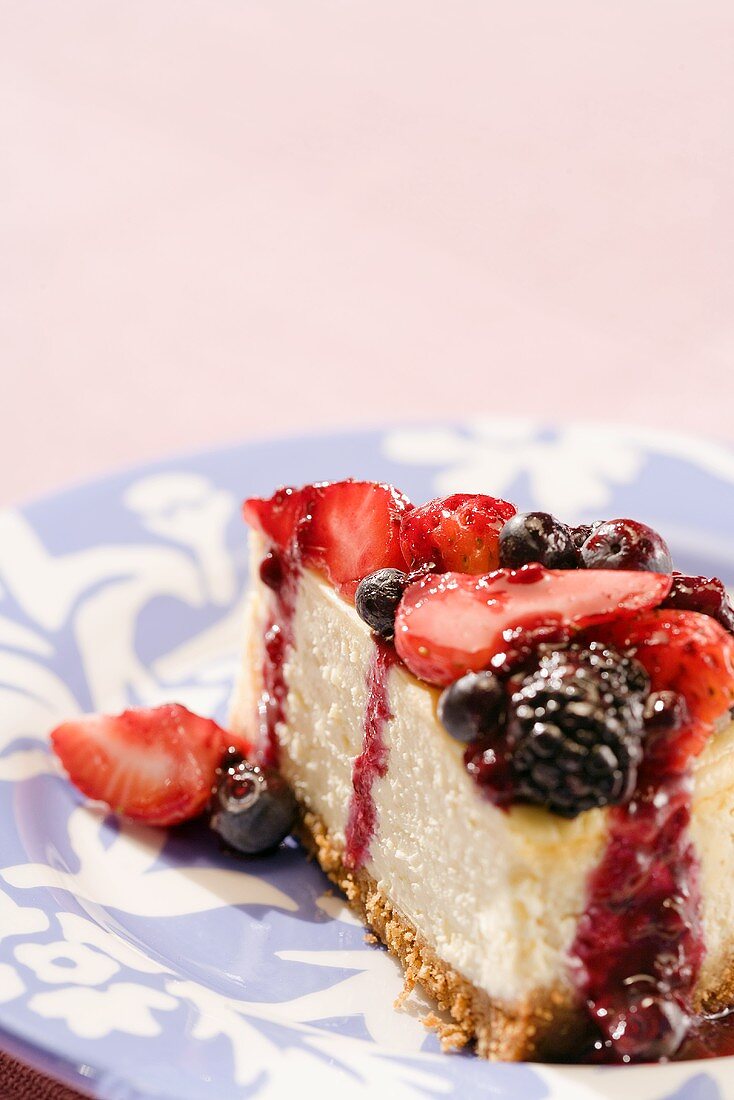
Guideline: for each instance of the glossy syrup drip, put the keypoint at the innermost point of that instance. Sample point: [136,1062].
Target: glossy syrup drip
[639,945]
[281,573]
[371,764]
[709,1037]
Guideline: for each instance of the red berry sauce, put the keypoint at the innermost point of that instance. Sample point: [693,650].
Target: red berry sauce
[639,946]
[489,763]
[281,572]
[371,764]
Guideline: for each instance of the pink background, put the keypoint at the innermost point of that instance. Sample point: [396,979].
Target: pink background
[225,218]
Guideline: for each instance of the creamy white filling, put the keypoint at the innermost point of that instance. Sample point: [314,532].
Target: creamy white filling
[498,895]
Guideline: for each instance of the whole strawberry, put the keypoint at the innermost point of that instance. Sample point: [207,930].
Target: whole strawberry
[459,533]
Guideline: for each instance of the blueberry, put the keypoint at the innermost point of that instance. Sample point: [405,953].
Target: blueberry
[626,544]
[254,808]
[472,706]
[377,598]
[537,536]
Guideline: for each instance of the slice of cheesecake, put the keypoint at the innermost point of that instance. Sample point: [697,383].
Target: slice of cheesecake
[520,775]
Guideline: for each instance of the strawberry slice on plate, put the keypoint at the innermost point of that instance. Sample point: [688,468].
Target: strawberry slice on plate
[451,624]
[459,533]
[345,529]
[156,765]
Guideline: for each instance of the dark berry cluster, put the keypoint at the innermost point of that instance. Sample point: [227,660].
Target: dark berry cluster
[575,729]
[565,734]
[567,731]
[612,544]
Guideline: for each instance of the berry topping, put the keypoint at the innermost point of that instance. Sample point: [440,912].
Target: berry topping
[377,598]
[452,624]
[626,544]
[575,727]
[473,706]
[457,534]
[155,765]
[537,536]
[705,594]
[686,653]
[254,808]
[345,529]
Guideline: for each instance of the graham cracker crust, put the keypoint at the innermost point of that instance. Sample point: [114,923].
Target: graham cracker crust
[719,995]
[548,1025]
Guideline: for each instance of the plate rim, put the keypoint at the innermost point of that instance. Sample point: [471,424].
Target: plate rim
[48,1062]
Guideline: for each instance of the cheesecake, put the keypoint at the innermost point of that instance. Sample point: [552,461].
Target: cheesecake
[510,745]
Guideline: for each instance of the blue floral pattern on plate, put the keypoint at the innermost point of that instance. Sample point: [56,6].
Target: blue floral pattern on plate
[140,964]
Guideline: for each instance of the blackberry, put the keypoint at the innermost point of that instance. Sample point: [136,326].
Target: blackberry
[575,727]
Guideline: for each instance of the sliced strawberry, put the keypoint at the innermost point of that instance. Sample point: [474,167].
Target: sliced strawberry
[345,529]
[452,624]
[685,652]
[459,533]
[156,765]
[354,530]
[276,517]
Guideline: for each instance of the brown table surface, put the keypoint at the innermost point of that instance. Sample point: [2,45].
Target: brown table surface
[19,1082]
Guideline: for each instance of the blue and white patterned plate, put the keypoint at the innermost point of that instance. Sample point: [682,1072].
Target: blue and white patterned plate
[138,964]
